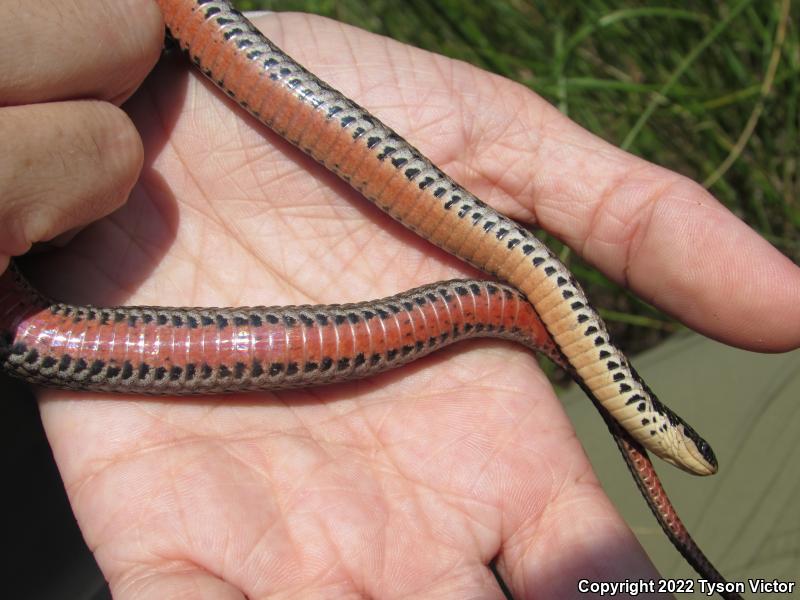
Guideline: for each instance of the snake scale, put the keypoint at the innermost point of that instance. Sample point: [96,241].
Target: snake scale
[202,350]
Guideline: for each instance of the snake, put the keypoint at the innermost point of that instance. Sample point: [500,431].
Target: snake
[166,350]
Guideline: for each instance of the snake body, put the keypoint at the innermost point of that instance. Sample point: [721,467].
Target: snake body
[179,351]
[401,181]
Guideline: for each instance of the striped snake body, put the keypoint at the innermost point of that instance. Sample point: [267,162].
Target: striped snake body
[177,351]
[402,182]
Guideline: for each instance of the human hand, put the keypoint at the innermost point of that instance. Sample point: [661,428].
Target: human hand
[70,156]
[407,483]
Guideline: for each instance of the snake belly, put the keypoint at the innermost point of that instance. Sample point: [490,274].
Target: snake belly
[180,351]
[400,180]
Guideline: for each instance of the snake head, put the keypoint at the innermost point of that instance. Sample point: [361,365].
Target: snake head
[698,454]
[689,452]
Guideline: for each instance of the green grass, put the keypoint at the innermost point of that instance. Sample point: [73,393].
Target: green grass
[707,88]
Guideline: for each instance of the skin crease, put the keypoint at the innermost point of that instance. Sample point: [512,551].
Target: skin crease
[405,485]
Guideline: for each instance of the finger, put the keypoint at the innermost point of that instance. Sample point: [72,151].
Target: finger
[665,237]
[578,539]
[644,226]
[81,49]
[65,164]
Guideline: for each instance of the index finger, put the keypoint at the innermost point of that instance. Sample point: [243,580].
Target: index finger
[98,49]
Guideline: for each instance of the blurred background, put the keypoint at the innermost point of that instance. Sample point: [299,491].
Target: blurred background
[708,88]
